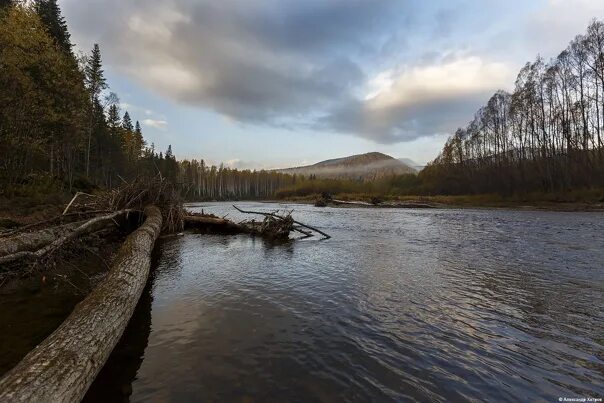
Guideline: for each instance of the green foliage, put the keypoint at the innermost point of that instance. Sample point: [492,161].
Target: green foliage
[94,74]
[5,4]
[50,14]
[52,121]
[127,122]
[42,98]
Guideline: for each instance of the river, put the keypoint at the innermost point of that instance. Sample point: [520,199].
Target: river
[401,304]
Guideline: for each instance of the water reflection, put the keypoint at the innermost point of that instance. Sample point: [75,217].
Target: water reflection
[398,305]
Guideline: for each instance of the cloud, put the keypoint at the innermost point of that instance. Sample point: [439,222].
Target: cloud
[388,71]
[416,101]
[450,79]
[156,124]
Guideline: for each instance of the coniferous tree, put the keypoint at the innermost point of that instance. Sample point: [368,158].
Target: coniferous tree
[95,83]
[95,76]
[139,140]
[42,101]
[127,122]
[113,117]
[50,14]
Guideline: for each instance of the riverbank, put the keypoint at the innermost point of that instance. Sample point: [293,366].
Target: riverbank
[26,210]
[581,200]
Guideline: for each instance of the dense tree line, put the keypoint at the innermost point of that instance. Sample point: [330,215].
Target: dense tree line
[548,135]
[201,182]
[57,120]
[60,123]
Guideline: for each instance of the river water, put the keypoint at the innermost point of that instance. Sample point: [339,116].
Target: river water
[427,305]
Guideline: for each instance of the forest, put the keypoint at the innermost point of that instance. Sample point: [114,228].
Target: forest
[547,135]
[62,129]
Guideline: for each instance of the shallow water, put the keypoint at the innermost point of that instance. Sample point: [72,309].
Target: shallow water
[399,305]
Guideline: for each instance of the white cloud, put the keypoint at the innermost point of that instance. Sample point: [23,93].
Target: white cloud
[419,84]
[379,84]
[156,25]
[156,124]
[170,78]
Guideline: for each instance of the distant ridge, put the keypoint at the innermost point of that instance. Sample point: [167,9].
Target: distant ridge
[369,166]
[409,162]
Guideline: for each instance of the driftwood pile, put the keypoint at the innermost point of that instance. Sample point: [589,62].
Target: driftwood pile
[273,226]
[85,214]
[64,365]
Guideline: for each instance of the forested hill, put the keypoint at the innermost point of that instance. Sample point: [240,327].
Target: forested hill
[62,129]
[547,135]
[369,166]
[60,126]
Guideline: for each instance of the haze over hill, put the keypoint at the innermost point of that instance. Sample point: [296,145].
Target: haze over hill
[369,166]
[411,163]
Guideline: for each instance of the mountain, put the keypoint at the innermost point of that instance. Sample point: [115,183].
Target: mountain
[368,166]
[411,163]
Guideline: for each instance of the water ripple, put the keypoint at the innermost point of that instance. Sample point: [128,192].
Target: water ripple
[399,305]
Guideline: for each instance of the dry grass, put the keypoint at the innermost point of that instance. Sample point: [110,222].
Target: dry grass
[142,192]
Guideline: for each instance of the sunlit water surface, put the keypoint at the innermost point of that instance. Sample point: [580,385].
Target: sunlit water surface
[428,305]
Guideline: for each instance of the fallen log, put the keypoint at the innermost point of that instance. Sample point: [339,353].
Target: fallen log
[34,240]
[53,220]
[411,204]
[204,221]
[62,367]
[90,226]
[269,228]
[352,203]
[408,204]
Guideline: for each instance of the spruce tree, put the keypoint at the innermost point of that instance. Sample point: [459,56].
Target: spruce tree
[95,83]
[127,122]
[50,14]
[113,117]
[95,76]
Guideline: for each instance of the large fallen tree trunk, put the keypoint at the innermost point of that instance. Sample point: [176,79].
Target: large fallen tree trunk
[67,233]
[28,241]
[404,204]
[63,366]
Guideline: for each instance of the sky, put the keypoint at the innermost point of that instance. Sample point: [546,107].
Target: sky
[279,83]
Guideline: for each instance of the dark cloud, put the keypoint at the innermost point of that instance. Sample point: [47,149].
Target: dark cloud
[403,123]
[277,62]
